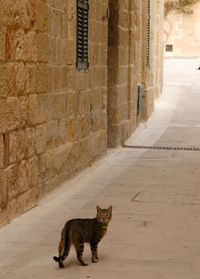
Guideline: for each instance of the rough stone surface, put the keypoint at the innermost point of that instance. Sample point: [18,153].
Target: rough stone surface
[54,115]
[128,39]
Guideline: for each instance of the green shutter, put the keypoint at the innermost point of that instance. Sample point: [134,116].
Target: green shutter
[82,35]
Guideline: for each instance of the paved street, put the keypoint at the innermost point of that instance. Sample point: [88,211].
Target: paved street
[155,193]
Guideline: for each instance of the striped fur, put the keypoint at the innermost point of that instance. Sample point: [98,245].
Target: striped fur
[78,231]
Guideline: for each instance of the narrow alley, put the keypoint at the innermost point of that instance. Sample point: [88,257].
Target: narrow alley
[155,193]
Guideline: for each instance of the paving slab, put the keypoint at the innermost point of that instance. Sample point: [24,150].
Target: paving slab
[154,232]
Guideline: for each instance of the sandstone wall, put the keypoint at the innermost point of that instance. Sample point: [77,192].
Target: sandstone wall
[52,117]
[152,71]
[134,58]
[124,64]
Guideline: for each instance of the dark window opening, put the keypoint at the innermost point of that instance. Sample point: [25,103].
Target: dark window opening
[82,35]
[169,48]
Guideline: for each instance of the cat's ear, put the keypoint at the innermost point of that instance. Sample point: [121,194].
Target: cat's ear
[110,208]
[98,208]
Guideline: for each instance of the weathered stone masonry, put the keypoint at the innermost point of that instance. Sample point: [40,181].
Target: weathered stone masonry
[55,120]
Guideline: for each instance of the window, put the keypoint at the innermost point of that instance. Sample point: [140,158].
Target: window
[169,48]
[82,35]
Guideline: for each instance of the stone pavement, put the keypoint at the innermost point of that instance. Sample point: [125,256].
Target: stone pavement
[155,230]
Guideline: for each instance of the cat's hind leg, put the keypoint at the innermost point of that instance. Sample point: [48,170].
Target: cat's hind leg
[79,252]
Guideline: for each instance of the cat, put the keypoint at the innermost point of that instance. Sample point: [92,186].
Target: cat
[79,231]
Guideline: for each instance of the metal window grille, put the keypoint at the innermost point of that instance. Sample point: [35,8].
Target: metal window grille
[82,35]
[149,34]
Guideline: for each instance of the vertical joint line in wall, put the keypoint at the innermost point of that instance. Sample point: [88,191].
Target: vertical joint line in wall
[129,60]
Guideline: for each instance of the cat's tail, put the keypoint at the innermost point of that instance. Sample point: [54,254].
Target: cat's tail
[64,246]
[56,259]
[59,260]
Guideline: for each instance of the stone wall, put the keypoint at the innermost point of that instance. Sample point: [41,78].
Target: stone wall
[52,117]
[124,68]
[128,65]
[152,72]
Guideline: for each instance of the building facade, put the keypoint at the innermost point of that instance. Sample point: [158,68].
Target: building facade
[76,77]
[181,31]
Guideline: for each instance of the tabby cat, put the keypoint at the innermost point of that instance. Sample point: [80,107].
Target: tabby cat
[79,231]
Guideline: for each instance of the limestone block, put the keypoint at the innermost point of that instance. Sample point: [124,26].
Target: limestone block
[46,165]
[2,115]
[70,78]
[52,134]
[23,176]
[18,145]
[64,76]
[23,106]
[70,99]
[104,92]
[19,46]
[23,13]
[62,127]
[1,151]
[27,200]
[58,105]
[2,42]
[7,80]
[50,81]
[64,25]
[71,52]
[30,78]
[52,50]
[20,78]
[59,60]
[57,79]
[72,130]
[41,10]
[41,78]
[31,142]
[104,76]
[42,167]
[32,46]
[59,159]
[57,23]
[3,190]
[11,180]
[33,110]
[11,79]
[11,209]
[13,147]
[43,47]
[83,127]
[40,138]
[33,171]
[43,106]
[100,139]
[85,151]
[3,81]
[12,113]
